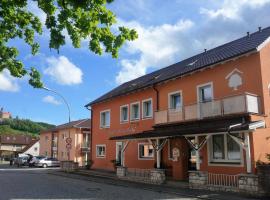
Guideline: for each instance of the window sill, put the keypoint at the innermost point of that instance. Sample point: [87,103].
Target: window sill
[145,118]
[104,127]
[146,158]
[124,122]
[232,164]
[100,156]
[134,120]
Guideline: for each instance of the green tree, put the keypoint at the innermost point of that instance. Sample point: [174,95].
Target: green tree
[82,19]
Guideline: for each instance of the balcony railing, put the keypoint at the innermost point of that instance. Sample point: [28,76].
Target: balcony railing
[246,103]
[85,147]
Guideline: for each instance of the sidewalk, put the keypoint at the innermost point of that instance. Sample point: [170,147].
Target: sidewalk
[172,187]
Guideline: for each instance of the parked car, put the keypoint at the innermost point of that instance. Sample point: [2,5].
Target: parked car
[21,160]
[47,162]
[34,160]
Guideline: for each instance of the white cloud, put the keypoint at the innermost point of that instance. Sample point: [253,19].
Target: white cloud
[51,100]
[218,22]
[63,71]
[7,82]
[230,9]
[156,45]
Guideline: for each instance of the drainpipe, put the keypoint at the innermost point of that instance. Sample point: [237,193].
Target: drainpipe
[91,134]
[157,97]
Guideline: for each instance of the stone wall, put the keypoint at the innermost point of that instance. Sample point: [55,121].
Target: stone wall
[198,179]
[155,176]
[249,184]
[69,166]
[121,172]
[264,177]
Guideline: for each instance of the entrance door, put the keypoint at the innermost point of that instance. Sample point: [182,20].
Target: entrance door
[119,146]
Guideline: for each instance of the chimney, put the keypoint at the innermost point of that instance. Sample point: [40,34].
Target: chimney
[260,29]
[248,34]
[205,50]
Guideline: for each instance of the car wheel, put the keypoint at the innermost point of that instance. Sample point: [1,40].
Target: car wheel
[44,165]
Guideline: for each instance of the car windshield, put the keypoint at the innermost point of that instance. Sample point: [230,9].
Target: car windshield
[40,157]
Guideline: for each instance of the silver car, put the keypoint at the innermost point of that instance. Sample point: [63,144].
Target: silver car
[47,162]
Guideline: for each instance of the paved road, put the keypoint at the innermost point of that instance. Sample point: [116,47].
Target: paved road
[39,184]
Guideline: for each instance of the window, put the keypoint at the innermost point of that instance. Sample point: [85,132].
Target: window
[62,154]
[35,149]
[225,149]
[147,108]
[46,153]
[46,138]
[175,100]
[100,151]
[146,151]
[105,119]
[135,111]
[205,93]
[124,113]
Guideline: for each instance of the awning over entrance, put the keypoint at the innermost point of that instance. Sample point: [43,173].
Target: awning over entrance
[191,131]
[225,125]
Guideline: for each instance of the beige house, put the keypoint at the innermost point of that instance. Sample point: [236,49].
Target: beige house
[54,142]
[11,145]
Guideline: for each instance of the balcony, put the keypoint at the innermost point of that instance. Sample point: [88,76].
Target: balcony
[240,104]
[85,147]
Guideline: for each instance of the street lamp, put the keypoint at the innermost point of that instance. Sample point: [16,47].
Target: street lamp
[68,107]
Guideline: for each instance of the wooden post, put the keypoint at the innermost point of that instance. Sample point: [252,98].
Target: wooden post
[197,153]
[248,153]
[158,154]
[123,153]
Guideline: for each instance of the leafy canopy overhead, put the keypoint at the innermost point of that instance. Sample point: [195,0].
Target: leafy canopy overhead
[87,20]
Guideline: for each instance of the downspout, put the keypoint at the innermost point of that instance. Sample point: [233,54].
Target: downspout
[91,134]
[157,97]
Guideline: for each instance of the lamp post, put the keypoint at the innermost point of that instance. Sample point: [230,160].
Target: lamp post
[68,146]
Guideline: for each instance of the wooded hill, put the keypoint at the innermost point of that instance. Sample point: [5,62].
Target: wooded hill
[23,127]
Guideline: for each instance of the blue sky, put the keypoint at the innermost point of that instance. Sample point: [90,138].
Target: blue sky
[169,31]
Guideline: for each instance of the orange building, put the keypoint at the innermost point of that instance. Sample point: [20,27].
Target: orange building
[53,142]
[207,113]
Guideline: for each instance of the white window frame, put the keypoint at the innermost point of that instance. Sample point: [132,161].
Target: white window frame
[145,158]
[226,161]
[173,93]
[100,120]
[100,145]
[131,111]
[151,115]
[121,120]
[203,85]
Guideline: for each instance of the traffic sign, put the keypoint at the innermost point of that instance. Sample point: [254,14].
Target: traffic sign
[68,140]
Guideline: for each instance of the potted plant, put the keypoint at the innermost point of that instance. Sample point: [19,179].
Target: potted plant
[115,163]
[89,164]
